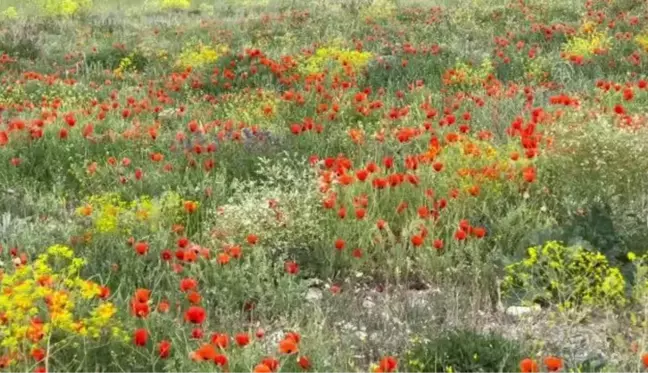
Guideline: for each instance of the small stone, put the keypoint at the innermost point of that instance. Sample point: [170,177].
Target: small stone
[368,303]
[361,335]
[313,294]
[519,311]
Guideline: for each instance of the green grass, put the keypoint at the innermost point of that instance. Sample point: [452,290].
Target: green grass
[371,205]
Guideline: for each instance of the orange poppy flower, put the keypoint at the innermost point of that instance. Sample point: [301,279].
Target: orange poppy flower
[223,258]
[163,306]
[194,297]
[220,340]
[288,346]
[553,363]
[262,368]
[252,239]
[528,366]
[206,352]
[142,295]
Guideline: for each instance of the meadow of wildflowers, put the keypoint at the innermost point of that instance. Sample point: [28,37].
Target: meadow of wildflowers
[324,185]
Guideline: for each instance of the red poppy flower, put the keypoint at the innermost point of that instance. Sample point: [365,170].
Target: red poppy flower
[220,360]
[140,309]
[141,247]
[197,333]
[242,339]
[291,267]
[183,242]
[220,340]
[260,333]
[142,295]
[388,364]
[194,297]
[190,207]
[294,336]
[271,363]
[140,337]
[187,284]
[223,258]
[163,306]
[38,354]
[304,362]
[164,349]
[166,255]
[479,232]
[388,162]
[195,315]
[529,174]
[104,292]
[362,174]
[528,366]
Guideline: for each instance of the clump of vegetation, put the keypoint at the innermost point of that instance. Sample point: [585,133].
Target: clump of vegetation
[47,304]
[64,8]
[587,45]
[464,351]
[200,56]
[9,14]
[567,277]
[342,60]
[175,4]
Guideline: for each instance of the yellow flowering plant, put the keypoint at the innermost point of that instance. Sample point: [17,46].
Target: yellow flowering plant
[199,56]
[640,286]
[175,4]
[109,213]
[125,65]
[340,59]
[47,301]
[9,14]
[642,40]
[63,8]
[467,75]
[586,44]
[565,276]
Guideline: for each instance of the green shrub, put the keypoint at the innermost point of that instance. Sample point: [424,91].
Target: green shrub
[465,351]
[608,209]
[566,276]
[22,42]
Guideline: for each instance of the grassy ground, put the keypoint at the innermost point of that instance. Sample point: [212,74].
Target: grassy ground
[323,185]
